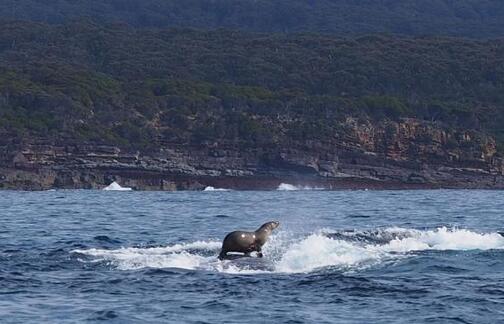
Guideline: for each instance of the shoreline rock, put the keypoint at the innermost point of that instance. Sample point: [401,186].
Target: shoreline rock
[410,154]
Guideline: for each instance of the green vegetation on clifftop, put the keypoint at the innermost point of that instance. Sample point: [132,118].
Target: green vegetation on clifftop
[466,18]
[143,88]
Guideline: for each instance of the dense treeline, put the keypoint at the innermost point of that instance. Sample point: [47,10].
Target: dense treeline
[144,87]
[468,18]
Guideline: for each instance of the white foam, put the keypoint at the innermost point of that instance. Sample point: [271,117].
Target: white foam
[210,188]
[198,245]
[447,239]
[317,250]
[290,187]
[175,256]
[285,253]
[229,267]
[114,186]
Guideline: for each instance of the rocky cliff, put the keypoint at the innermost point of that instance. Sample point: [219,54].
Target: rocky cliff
[83,104]
[392,154]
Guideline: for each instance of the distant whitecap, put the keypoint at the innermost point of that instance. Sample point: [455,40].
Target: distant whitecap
[114,186]
[210,188]
[290,187]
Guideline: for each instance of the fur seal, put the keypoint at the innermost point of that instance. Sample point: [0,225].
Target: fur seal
[247,242]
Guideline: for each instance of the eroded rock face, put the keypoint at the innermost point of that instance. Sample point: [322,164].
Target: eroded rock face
[405,154]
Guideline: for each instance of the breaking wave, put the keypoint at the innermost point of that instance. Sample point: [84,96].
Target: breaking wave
[290,187]
[284,253]
[114,186]
[210,188]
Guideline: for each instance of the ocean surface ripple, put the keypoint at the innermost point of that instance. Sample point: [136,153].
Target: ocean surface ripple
[433,256]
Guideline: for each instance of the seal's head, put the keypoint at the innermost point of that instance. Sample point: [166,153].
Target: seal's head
[269,226]
[263,232]
[274,224]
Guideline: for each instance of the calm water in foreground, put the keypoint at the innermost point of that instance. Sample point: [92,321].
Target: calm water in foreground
[345,256]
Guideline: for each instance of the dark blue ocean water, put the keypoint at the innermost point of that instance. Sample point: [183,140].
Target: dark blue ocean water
[344,256]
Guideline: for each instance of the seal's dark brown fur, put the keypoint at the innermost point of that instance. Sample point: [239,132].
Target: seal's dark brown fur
[247,242]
